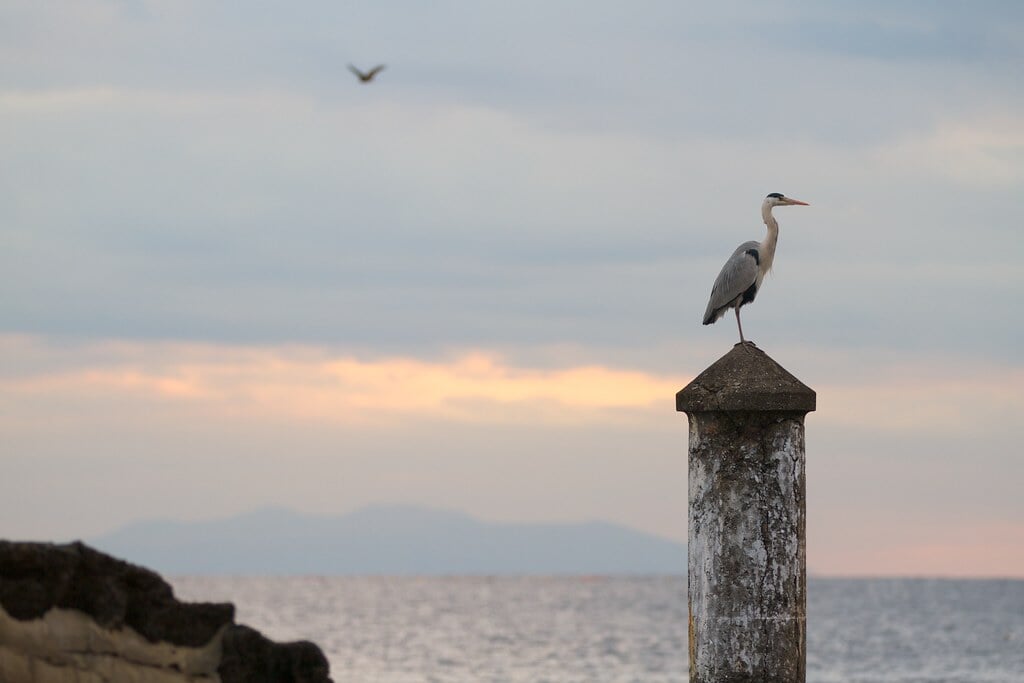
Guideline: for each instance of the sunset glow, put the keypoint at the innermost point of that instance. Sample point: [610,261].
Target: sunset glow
[235,276]
[312,384]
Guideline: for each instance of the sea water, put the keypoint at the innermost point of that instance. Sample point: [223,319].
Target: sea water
[619,629]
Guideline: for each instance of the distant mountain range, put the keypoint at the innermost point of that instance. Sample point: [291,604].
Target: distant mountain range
[390,540]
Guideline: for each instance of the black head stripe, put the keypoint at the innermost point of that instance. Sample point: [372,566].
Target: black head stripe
[777,195]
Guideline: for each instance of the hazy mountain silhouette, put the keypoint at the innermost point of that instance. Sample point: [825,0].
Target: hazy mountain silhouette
[389,539]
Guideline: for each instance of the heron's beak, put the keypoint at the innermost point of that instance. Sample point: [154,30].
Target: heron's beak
[795,202]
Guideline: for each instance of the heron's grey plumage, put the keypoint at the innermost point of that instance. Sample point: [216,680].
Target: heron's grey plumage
[738,275]
[740,278]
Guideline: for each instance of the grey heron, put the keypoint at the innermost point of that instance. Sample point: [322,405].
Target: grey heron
[366,76]
[741,276]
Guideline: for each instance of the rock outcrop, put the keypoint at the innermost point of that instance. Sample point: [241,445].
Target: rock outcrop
[71,614]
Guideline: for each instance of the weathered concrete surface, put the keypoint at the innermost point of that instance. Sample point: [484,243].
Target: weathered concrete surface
[747,548]
[745,379]
[70,614]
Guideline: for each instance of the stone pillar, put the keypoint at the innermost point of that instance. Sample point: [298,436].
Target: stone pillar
[747,560]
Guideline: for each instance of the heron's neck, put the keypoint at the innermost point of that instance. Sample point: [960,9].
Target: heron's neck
[770,240]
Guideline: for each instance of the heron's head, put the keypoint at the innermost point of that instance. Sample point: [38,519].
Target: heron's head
[779,199]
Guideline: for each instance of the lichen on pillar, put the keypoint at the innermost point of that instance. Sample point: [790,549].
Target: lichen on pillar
[747,565]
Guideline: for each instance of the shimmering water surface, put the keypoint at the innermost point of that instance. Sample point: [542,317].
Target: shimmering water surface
[600,629]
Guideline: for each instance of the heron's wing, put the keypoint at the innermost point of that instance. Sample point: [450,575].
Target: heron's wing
[738,273]
[356,71]
[375,70]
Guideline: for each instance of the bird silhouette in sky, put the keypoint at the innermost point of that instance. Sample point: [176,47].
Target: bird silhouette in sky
[367,76]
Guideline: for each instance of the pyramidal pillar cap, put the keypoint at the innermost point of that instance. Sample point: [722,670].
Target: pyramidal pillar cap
[745,379]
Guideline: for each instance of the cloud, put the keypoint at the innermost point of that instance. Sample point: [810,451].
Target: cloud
[888,439]
[301,383]
[218,245]
[247,194]
[896,40]
[981,153]
[373,224]
[958,402]
[305,383]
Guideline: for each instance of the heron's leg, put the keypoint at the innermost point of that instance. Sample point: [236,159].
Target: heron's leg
[739,324]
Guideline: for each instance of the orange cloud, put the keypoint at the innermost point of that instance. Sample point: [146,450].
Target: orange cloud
[306,383]
[310,383]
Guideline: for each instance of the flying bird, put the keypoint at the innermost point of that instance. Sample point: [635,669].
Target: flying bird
[366,77]
[741,276]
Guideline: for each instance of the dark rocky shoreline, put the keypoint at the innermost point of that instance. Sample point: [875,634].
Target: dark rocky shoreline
[71,613]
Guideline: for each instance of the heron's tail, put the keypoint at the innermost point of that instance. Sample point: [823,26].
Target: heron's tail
[712,314]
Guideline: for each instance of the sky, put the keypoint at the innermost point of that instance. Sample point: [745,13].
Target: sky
[233,276]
